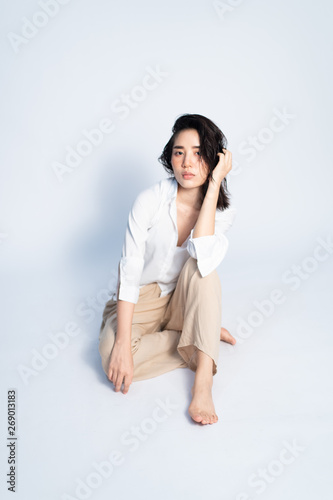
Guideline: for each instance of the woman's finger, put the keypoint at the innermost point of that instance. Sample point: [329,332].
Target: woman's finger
[118,382]
[127,383]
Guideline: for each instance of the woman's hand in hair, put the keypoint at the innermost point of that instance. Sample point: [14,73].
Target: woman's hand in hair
[223,167]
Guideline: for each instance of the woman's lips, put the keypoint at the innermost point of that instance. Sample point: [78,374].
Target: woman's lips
[188,176]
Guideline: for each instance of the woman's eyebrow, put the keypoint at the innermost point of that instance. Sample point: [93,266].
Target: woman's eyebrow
[182,147]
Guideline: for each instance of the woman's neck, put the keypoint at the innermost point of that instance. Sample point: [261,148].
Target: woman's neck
[189,197]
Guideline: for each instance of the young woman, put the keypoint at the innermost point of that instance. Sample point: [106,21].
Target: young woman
[166,311]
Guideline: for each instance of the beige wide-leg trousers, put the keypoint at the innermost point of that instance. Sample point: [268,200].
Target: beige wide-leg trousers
[167,331]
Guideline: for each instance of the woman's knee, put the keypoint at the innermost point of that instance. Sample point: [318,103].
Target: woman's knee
[106,343]
[191,263]
[191,268]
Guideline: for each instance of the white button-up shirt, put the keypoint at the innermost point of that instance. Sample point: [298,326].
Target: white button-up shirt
[150,252]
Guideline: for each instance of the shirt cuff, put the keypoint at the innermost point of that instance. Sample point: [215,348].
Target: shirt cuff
[209,251]
[130,270]
[129,293]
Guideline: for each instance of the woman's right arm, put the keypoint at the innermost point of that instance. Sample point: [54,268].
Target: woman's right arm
[121,360]
[129,272]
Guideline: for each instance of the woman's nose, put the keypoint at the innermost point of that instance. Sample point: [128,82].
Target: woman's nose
[186,161]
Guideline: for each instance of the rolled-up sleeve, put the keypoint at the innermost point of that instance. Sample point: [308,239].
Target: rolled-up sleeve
[132,257]
[209,251]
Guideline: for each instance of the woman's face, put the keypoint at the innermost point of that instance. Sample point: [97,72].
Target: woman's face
[188,166]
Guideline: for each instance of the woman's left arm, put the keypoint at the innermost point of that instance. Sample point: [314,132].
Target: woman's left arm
[205,225]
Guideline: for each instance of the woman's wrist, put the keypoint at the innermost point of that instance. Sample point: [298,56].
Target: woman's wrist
[123,338]
[125,312]
[213,189]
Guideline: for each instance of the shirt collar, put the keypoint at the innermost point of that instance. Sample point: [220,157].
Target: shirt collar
[173,188]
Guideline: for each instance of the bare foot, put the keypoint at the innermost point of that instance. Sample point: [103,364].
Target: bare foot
[226,336]
[202,408]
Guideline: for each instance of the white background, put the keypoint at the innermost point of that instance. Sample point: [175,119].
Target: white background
[240,63]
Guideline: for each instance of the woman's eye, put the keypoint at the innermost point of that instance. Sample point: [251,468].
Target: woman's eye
[177,153]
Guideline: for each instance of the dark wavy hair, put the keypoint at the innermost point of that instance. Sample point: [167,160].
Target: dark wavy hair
[212,140]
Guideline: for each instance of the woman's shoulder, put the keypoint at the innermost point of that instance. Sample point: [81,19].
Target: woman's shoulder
[160,190]
[164,186]
[227,215]
[226,211]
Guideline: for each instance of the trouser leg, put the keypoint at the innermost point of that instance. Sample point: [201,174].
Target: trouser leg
[154,351]
[195,309]
[167,331]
